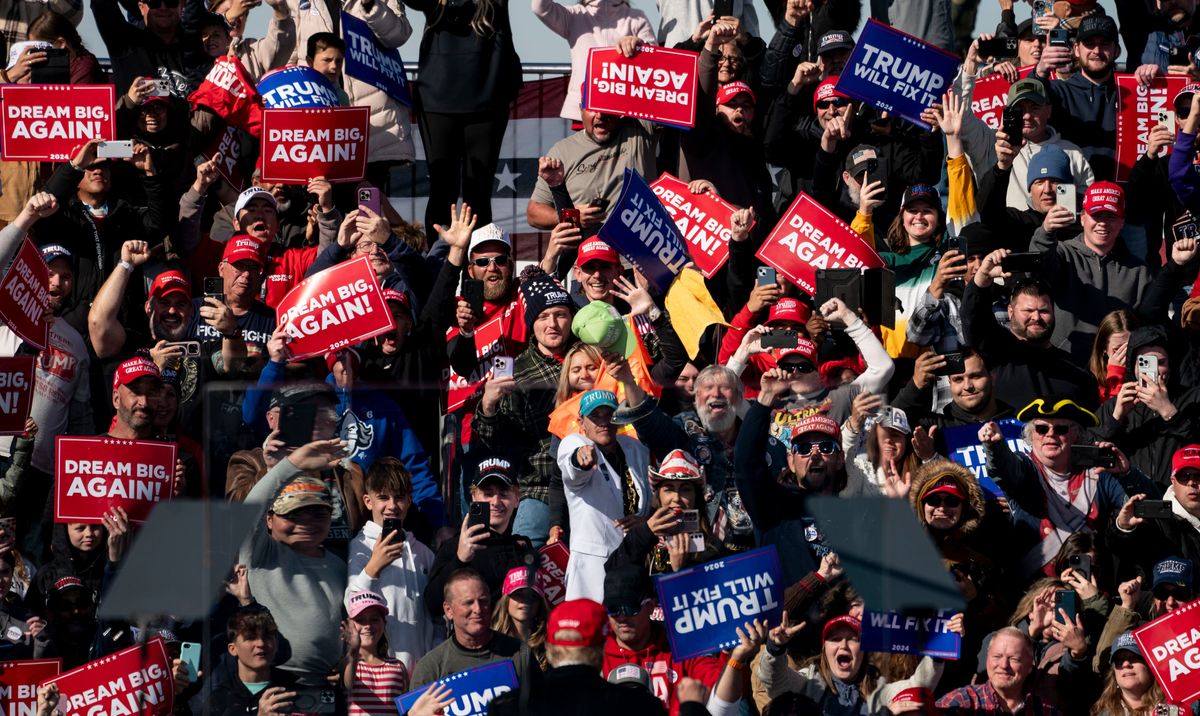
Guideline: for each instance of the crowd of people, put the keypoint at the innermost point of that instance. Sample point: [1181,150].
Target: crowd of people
[409,484]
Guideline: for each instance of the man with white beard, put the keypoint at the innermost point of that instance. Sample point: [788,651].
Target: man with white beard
[708,433]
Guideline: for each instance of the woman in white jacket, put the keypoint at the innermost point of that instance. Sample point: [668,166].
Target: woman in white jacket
[590,23]
[604,475]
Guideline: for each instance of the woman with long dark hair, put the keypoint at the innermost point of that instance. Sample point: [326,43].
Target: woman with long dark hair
[469,74]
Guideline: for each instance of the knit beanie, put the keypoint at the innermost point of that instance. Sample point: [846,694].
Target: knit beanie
[1050,162]
[539,291]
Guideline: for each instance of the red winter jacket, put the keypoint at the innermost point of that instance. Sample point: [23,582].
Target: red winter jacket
[664,672]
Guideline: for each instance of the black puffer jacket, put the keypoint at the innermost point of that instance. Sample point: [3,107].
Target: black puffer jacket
[1143,435]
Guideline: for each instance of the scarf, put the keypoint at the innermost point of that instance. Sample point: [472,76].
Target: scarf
[1068,506]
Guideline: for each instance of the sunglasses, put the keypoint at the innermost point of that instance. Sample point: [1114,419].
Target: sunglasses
[624,611]
[827,103]
[948,500]
[1187,477]
[797,368]
[485,261]
[1044,428]
[805,447]
[1181,594]
[156,4]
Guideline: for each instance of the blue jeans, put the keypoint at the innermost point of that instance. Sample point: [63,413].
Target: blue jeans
[532,521]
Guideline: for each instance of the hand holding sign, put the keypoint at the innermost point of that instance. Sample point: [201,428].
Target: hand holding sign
[47,700]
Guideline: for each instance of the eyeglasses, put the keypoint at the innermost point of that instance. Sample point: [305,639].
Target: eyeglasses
[1165,592]
[805,447]
[797,368]
[485,261]
[730,60]
[827,103]
[1044,428]
[156,4]
[948,500]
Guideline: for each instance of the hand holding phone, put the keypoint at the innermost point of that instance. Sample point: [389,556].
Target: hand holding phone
[479,513]
[115,149]
[766,276]
[370,198]
[502,367]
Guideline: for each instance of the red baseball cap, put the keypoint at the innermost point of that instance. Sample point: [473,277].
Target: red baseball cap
[804,348]
[587,618]
[518,578]
[1185,457]
[134,368]
[825,90]
[789,309]
[818,423]
[729,90]
[596,250]
[169,282]
[391,294]
[846,620]
[243,247]
[1104,196]
[947,485]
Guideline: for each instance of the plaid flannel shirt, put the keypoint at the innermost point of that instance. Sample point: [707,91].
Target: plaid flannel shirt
[520,427]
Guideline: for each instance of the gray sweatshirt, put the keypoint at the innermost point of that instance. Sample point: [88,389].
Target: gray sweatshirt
[303,593]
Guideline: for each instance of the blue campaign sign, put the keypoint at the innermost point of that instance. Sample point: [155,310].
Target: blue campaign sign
[962,444]
[704,605]
[897,72]
[297,87]
[471,690]
[641,229]
[371,62]
[896,633]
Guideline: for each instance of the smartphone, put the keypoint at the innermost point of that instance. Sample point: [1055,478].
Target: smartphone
[1093,456]
[214,287]
[390,525]
[570,216]
[191,349]
[1040,8]
[1065,196]
[723,8]
[954,365]
[1152,509]
[1059,37]
[998,47]
[1147,365]
[369,197]
[55,70]
[502,367]
[162,88]
[296,424]
[1167,118]
[1068,601]
[189,654]
[1081,564]
[1028,262]
[600,203]
[690,521]
[312,700]
[1167,710]
[780,339]
[472,293]
[766,276]
[479,513]
[115,149]
[1012,123]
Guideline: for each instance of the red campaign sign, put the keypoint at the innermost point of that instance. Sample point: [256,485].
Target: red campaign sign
[229,145]
[489,342]
[991,94]
[17,376]
[1137,113]
[658,84]
[229,92]
[94,475]
[48,123]
[810,237]
[1171,646]
[333,309]
[132,682]
[19,682]
[299,144]
[552,573]
[25,296]
[703,221]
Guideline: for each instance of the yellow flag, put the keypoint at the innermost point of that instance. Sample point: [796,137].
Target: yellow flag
[692,309]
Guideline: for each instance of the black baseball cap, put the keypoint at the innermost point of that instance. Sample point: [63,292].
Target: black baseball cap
[1097,24]
[491,467]
[834,40]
